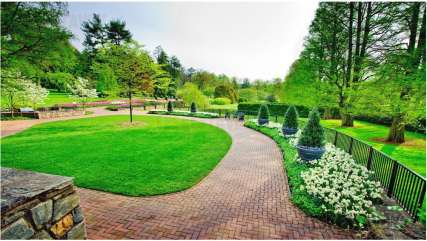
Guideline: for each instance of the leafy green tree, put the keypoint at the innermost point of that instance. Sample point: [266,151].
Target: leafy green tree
[312,135]
[190,93]
[30,29]
[226,91]
[248,95]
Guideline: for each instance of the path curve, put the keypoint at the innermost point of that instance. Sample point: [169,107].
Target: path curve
[245,197]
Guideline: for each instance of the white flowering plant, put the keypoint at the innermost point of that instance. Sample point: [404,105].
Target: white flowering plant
[346,189]
[334,187]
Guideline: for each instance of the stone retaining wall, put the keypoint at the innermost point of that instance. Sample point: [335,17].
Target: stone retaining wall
[56,114]
[39,206]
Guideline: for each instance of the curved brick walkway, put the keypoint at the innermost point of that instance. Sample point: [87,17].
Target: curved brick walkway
[245,197]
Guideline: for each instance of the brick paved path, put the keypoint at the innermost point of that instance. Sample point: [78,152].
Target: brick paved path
[245,197]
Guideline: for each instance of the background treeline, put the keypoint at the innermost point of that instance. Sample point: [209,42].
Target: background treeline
[37,47]
[366,59]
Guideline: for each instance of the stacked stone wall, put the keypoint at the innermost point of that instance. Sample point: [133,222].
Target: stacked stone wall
[39,206]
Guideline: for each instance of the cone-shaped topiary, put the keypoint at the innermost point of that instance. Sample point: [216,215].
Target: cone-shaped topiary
[170,107]
[312,134]
[263,114]
[193,107]
[291,118]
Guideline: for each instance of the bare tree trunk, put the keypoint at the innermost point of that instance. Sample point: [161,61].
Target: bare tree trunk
[130,107]
[397,130]
[11,106]
[346,118]
[413,26]
[327,115]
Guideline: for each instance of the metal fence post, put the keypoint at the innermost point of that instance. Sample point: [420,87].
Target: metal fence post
[369,163]
[336,138]
[351,145]
[420,199]
[392,179]
[276,118]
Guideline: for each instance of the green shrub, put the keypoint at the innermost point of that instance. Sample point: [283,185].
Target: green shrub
[193,107]
[170,107]
[291,118]
[263,112]
[112,108]
[221,101]
[312,135]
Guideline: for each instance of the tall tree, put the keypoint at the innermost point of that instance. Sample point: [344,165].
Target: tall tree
[29,30]
[117,33]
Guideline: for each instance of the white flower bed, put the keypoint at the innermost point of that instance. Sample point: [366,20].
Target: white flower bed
[344,186]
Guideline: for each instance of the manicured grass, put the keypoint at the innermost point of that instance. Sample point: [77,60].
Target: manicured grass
[156,155]
[231,107]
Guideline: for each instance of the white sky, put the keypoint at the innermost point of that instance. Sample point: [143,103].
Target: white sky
[242,39]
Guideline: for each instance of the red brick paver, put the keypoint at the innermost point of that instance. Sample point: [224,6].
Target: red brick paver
[245,197]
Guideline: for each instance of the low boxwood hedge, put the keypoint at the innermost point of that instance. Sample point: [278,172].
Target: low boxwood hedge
[184,113]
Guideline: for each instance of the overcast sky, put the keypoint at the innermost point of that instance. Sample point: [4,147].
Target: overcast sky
[253,40]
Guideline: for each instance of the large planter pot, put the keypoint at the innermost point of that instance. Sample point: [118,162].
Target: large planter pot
[289,130]
[262,121]
[308,153]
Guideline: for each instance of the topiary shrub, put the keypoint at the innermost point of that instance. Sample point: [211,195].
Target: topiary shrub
[312,135]
[263,114]
[291,118]
[170,107]
[312,140]
[290,124]
[193,107]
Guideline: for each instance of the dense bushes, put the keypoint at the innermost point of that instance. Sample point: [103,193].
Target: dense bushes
[221,101]
[184,113]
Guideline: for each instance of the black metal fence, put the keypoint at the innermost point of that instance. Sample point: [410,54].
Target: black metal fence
[404,185]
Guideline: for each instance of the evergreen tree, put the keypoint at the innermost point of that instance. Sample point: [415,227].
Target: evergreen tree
[291,118]
[193,107]
[170,106]
[263,114]
[312,134]
[117,33]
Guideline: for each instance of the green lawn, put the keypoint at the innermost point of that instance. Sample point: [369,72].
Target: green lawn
[231,107]
[155,156]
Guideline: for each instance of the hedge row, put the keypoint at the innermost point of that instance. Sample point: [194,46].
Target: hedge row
[280,109]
